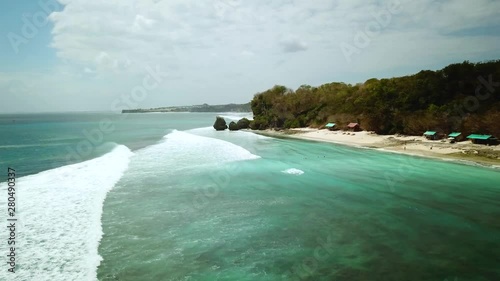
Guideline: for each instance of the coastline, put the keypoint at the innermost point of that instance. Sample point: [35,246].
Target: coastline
[461,152]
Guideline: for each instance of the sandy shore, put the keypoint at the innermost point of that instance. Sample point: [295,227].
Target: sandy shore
[412,145]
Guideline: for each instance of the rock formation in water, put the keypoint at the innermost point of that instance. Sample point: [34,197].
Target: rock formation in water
[220,124]
[243,123]
[233,126]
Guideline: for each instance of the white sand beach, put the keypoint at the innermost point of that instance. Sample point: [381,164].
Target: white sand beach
[412,145]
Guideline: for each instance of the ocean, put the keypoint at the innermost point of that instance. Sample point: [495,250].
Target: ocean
[104,196]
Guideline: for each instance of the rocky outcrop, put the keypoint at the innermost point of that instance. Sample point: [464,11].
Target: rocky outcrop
[254,125]
[243,123]
[233,126]
[220,124]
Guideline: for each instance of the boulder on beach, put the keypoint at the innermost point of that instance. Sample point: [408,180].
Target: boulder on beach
[220,124]
[233,126]
[243,123]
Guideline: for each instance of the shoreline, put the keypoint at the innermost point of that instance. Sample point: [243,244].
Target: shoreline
[461,152]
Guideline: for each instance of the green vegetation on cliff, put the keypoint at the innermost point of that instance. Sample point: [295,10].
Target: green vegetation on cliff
[460,97]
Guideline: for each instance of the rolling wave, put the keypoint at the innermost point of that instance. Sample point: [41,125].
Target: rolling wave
[59,217]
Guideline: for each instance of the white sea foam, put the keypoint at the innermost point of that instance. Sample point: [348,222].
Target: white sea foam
[31,145]
[293,171]
[59,214]
[182,148]
[211,132]
[231,116]
[201,130]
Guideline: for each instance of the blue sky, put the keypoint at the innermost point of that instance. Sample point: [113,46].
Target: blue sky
[93,54]
[37,53]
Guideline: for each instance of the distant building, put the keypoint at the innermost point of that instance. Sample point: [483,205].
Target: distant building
[455,136]
[353,127]
[330,126]
[431,135]
[482,139]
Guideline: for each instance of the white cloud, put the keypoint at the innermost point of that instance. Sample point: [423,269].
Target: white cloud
[209,41]
[131,34]
[246,53]
[293,45]
[142,24]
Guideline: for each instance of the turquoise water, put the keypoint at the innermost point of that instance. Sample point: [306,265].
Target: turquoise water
[176,200]
[53,139]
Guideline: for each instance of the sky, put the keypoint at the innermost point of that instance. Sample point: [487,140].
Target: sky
[96,55]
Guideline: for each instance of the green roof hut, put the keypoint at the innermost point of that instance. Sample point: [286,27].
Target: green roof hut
[431,135]
[482,139]
[330,126]
[455,136]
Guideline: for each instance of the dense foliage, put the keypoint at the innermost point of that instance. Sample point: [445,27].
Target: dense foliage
[221,108]
[461,97]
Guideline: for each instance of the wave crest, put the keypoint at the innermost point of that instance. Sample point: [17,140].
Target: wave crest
[59,217]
